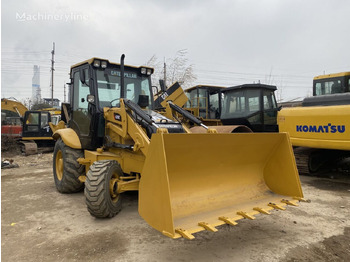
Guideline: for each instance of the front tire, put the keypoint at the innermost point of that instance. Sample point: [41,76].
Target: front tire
[100,189]
[66,169]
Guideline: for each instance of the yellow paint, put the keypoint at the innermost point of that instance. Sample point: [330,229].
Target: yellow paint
[332,75]
[60,125]
[69,137]
[13,106]
[178,191]
[178,97]
[290,119]
[59,165]
[37,138]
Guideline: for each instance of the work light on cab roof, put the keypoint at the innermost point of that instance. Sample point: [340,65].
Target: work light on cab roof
[100,63]
[146,71]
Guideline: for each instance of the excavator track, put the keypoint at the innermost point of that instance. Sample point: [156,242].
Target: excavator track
[312,160]
[302,158]
[29,147]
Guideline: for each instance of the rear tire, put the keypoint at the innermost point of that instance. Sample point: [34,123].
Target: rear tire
[100,188]
[66,169]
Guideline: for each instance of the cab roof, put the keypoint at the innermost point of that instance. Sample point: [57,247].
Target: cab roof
[332,75]
[91,60]
[251,86]
[205,86]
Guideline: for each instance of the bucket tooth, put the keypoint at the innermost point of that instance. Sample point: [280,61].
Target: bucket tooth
[207,226]
[301,199]
[228,221]
[184,233]
[261,210]
[245,215]
[286,201]
[275,206]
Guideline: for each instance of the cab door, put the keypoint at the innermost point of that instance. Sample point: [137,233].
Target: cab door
[80,109]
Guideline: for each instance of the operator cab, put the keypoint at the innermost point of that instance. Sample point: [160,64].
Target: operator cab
[328,90]
[204,101]
[36,127]
[96,84]
[252,105]
[331,84]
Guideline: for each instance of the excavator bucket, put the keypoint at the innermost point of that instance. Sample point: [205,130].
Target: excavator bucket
[195,182]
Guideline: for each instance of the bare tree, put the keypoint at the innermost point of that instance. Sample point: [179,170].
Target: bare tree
[177,69]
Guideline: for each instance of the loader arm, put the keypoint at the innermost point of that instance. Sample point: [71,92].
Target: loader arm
[126,127]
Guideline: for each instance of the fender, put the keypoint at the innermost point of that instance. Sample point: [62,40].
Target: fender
[69,137]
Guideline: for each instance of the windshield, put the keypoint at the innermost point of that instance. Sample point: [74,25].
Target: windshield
[108,86]
[240,103]
[332,86]
[192,99]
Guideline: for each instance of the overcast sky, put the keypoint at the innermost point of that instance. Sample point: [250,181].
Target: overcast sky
[284,42]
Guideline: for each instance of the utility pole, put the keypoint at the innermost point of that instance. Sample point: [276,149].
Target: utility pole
[164,72]
[64,88]
[52,69]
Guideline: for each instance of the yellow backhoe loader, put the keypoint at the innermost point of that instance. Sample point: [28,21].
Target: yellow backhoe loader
[115,141]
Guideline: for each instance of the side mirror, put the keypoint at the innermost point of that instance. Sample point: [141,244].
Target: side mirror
[143,101]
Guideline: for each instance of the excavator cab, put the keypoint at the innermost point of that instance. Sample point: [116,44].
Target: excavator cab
[331,84]
[36,132]
[36,124]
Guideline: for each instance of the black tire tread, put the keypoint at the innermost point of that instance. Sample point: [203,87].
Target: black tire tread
[71,169]
[96,191]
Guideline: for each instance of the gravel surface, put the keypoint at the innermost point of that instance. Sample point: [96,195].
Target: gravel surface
[40,224]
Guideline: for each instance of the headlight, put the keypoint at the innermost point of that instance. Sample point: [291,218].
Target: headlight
[97,63]
[104,64]
[149,71]
[143,70]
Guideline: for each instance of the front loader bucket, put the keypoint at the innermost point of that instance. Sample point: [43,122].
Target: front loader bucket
[195,182]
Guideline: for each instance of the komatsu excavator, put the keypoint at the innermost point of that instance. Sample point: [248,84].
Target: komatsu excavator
[116,141]
[320,128]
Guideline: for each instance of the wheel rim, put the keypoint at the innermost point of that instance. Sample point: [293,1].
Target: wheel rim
[59,165]
[113,187]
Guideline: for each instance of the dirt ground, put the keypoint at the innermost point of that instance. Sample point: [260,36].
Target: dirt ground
[40,224]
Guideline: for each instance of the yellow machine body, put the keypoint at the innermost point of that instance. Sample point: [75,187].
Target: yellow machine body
[13,106]
[326,127]
[187,182]
[191,182]
[175,94]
